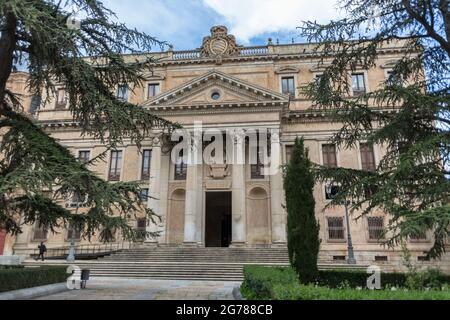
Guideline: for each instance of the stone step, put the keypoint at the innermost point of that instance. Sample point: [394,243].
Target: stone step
[223,264]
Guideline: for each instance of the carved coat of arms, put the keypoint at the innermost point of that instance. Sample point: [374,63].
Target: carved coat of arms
[219,44]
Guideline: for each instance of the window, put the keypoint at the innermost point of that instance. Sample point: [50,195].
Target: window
[73,233]
[367,157]
[331,192]
[288,86]
[84,156]
[61,99]
[329,155]
[289,153]
[338,258]
[358,84]
[336,228]
[180,168]
[35,104]
[257,169]
[376,228]
[146,161]
[153,90]
[381,258]
[115,166]
[40,233]
[78,200]
[144,194]
[420,236]
[122,92]
[393,79]
[141,224]
[215,96]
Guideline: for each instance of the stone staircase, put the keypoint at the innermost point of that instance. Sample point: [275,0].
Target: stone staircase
[214,264]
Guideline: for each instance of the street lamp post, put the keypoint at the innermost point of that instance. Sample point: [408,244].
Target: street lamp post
[351,256]
[71,256]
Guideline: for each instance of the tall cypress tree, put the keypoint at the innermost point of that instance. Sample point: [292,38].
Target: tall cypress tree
[303,228]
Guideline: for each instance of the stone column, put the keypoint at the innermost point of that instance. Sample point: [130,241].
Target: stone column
[194,195]
[154,200]
[277,192]
[239,233]
[164,193]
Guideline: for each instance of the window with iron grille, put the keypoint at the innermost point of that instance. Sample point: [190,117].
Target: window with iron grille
[289,153]
[40,233]
[420,236]
[329,155]
[61,99]
[376,227]
[144,194]
[115,167]
[78,200]
[338,258]
[336,229]
[257,169]
[146,161]
[180,168]
[381,258]
[153,90]
[84,156]
[358,84]
[367,157]
[73,233]
[35,104]
[141,224]
[334,191]
[288,86]
[122,92]
[394,79]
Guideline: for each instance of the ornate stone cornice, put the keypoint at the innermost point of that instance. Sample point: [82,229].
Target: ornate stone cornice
[305,116]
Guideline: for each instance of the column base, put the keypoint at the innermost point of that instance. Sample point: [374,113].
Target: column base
[192,245]
[279,244]
[238,244]
[151,243]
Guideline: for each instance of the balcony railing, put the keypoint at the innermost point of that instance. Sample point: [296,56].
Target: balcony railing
[186,55]
[254,51]
[244,51]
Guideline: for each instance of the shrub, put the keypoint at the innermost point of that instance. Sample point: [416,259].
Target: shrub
[281,283]
[21,278]
[301,292]
[258,280]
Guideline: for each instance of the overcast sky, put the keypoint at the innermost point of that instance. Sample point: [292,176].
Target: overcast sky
[184,23]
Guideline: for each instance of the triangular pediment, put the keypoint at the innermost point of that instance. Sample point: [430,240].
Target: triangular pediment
[217,88]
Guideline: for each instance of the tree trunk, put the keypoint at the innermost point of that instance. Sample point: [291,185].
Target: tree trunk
[7,46]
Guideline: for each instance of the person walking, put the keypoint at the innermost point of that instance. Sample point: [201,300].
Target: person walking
[42,250]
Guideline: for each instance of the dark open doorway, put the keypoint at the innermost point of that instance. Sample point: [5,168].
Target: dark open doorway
[218,219]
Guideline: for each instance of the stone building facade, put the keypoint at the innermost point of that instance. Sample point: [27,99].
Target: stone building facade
[225,86]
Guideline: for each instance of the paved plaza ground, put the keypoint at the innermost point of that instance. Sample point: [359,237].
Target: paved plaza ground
[137,289]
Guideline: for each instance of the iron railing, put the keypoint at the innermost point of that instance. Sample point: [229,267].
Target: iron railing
[86,251]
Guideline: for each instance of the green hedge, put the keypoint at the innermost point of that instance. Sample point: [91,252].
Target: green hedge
[282,283]
[300,292]
[259,281]
[21,278]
